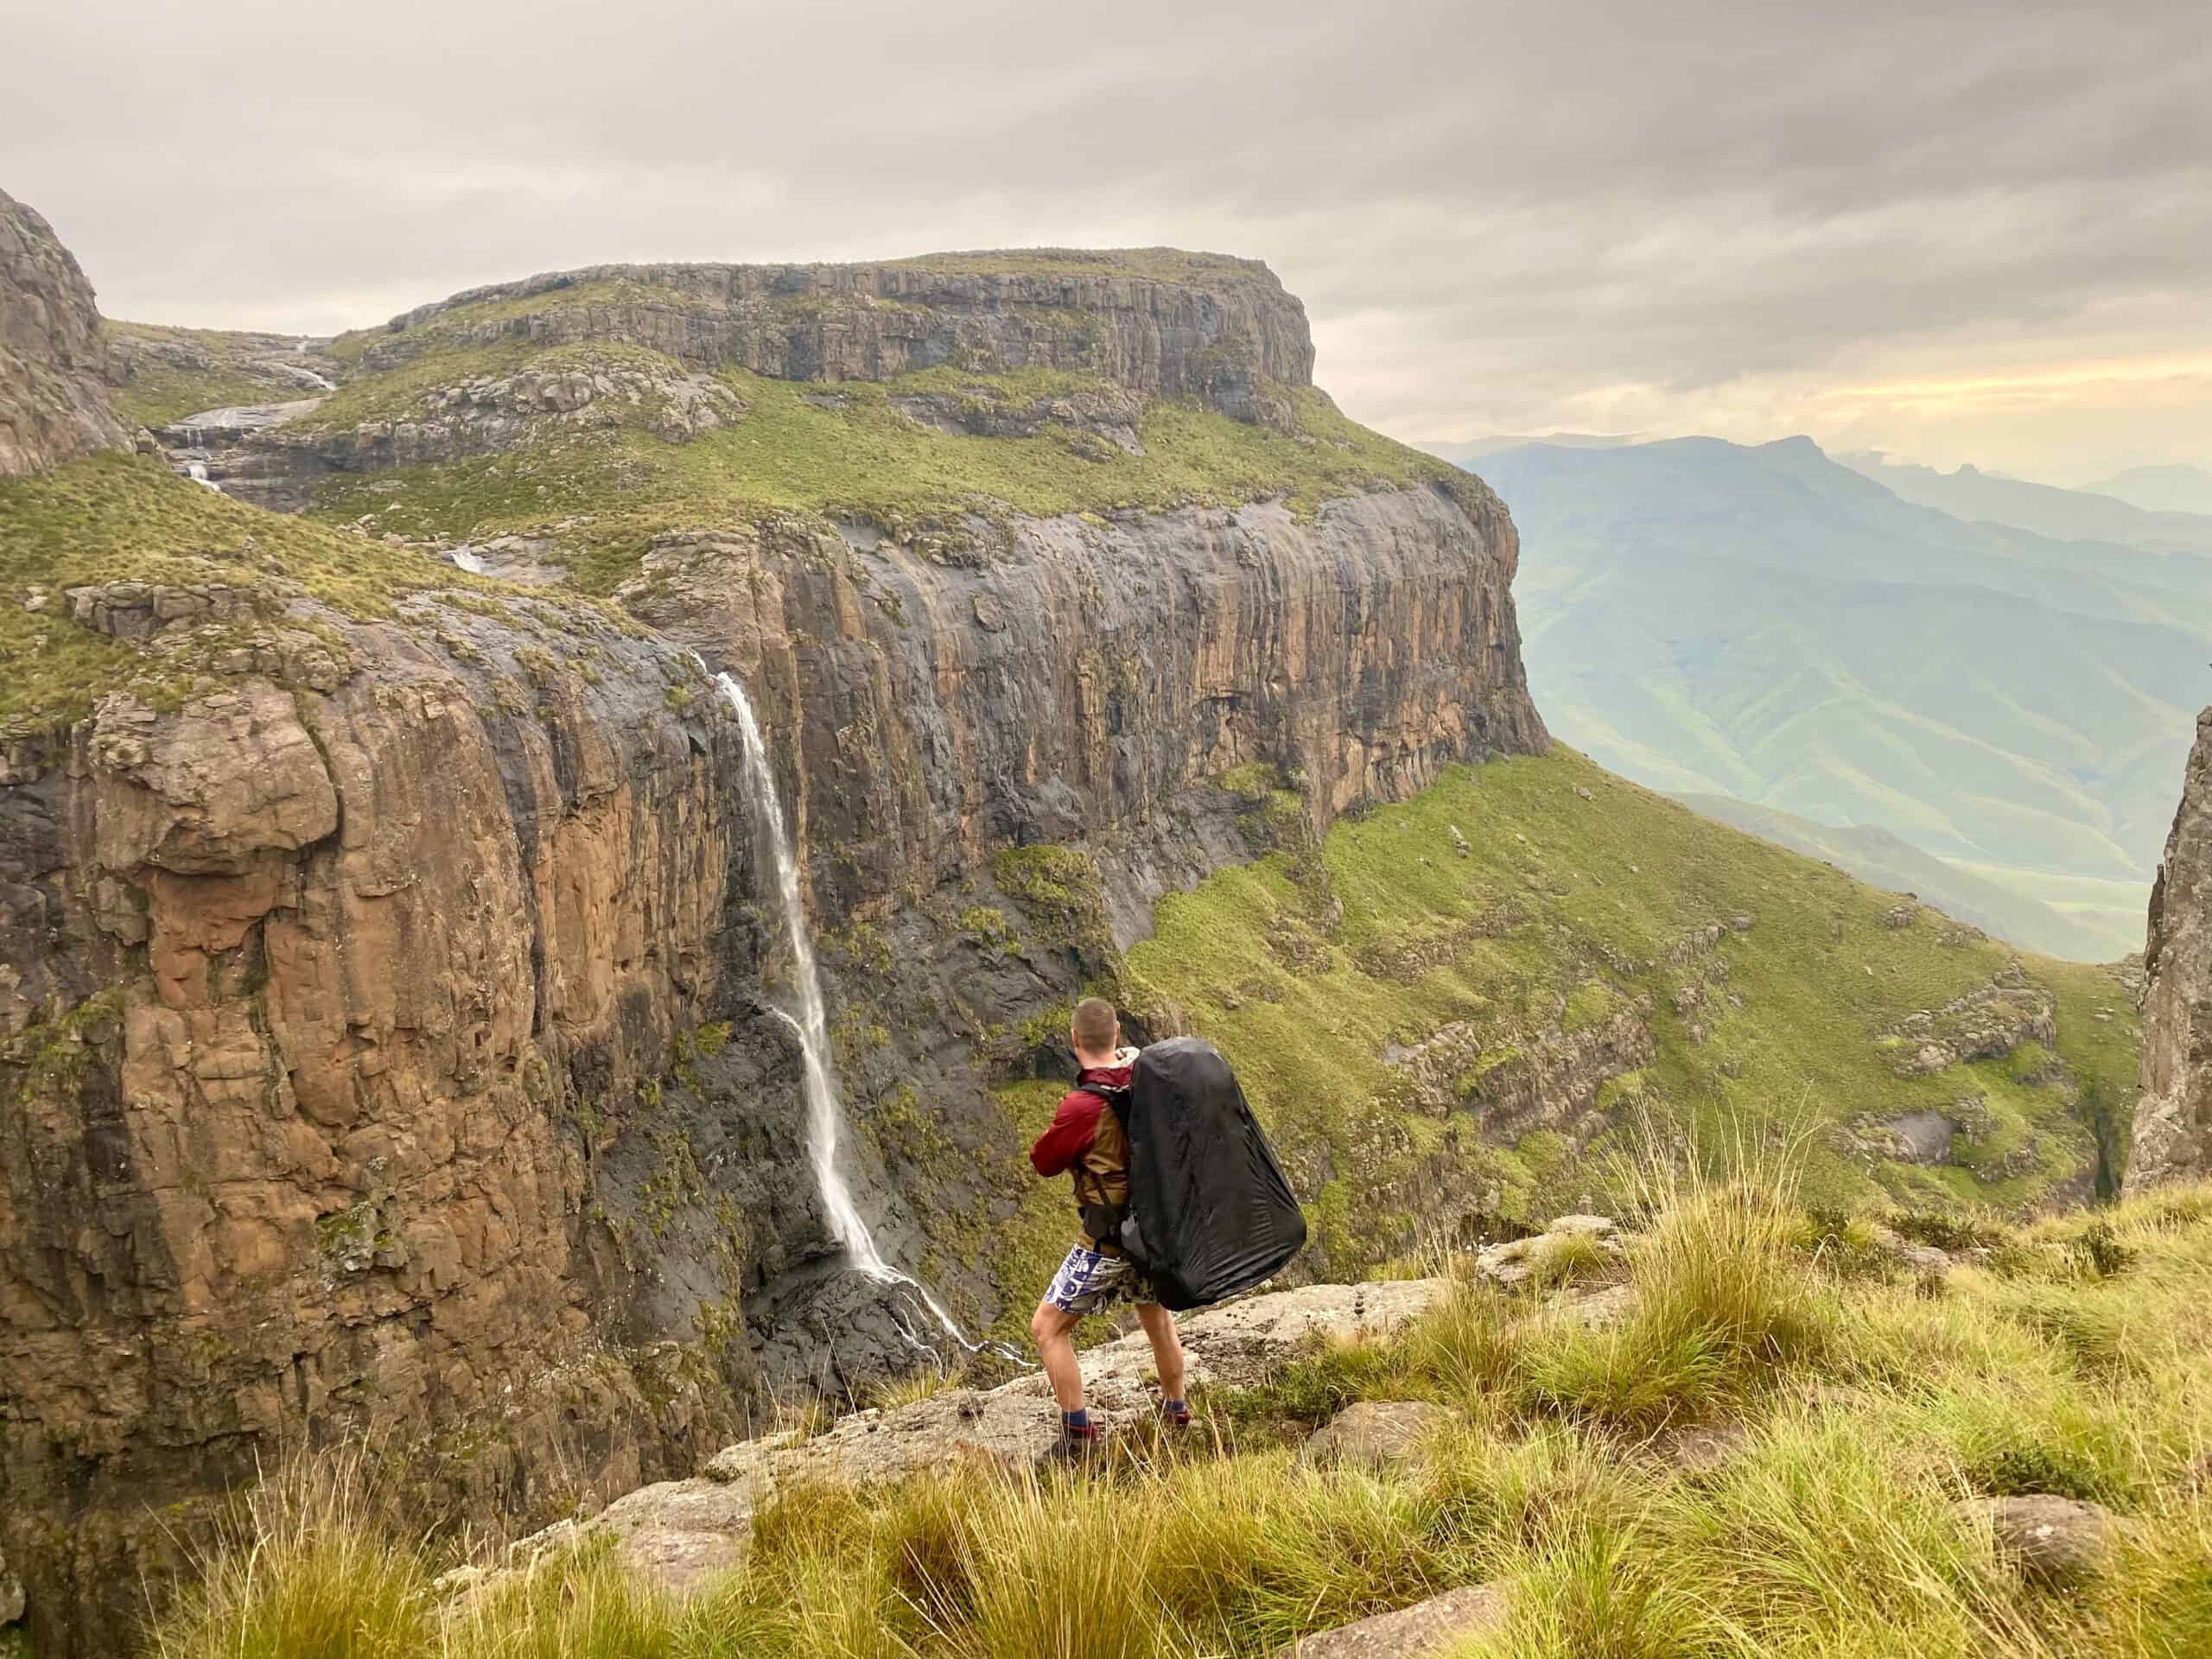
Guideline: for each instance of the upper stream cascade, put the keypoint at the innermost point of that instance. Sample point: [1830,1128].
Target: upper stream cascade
[824,1115]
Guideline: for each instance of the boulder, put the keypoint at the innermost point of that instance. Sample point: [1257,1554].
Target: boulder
[1381,1436]
[2050,1537]
[1431,1627]
[1519,1261]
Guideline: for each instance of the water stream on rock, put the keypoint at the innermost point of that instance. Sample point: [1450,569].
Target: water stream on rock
[824,1115]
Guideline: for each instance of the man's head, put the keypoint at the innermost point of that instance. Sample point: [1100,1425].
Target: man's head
[1095,1032]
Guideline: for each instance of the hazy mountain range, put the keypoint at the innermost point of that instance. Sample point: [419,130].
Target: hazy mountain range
[2161,489]
[1769,625]
[2069,515]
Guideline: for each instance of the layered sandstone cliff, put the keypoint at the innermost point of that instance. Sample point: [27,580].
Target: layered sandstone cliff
[2173,1113]
[313,999]
[1163,322]
[53,396]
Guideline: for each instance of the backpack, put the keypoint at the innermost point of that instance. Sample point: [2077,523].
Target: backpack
[1209,1213]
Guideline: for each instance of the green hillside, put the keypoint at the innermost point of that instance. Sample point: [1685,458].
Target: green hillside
[1766,624]
[1599,959]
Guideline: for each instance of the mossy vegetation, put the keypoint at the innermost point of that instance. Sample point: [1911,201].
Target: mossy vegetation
[115,518]
[1856,1418]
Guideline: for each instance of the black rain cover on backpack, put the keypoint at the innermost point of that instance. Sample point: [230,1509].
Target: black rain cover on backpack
[1211,1213]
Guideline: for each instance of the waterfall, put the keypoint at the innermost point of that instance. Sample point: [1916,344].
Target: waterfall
[824,1115]
[474,563]
[197,472]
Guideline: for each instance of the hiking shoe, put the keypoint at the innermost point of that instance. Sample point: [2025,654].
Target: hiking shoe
[1175,1414]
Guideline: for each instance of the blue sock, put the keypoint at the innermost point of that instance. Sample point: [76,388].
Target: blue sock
[1076,1420]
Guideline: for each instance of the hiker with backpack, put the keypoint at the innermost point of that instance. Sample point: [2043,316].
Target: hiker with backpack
[1088,1140]
[1182,1200]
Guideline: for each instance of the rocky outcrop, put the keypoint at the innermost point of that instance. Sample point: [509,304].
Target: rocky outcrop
[1381,1437]
[273,454]
[2056,1540]
[1159,323]
[679,1532]
[1989,1021]
[2173,1137]
[320,1010]
[53,396]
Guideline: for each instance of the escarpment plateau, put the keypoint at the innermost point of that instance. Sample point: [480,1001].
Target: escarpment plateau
[385,961]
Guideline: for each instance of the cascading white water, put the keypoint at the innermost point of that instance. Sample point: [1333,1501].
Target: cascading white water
[824,1115]
[476,564]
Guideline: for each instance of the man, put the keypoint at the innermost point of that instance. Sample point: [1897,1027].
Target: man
[1086,1141]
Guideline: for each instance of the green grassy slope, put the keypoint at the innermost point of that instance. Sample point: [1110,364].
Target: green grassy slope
[1563,914]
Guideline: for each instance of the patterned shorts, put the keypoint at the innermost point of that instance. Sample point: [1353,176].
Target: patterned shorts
[1089,1282]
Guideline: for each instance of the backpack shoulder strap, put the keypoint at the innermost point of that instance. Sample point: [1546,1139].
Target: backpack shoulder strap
[1116,1094]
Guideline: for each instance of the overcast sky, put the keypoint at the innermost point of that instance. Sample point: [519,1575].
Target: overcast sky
[1954,232]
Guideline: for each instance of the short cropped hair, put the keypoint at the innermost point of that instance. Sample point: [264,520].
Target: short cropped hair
[1095,1024]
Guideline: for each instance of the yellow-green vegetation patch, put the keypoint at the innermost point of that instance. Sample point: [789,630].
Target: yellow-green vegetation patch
[1584,904]
[848,452]
[113,517]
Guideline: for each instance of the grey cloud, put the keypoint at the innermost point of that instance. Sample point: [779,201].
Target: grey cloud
[1576,196]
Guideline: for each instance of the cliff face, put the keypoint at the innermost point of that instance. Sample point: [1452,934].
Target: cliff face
[307,992]
[53,398]
[2173,1112]
[1072,684]
[1164,323]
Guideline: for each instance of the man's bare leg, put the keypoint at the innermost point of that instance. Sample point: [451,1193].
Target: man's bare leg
[1054,1331]
[1167,1348]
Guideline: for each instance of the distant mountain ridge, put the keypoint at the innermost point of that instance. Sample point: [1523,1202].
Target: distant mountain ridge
[1767,624]
[2045,509]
